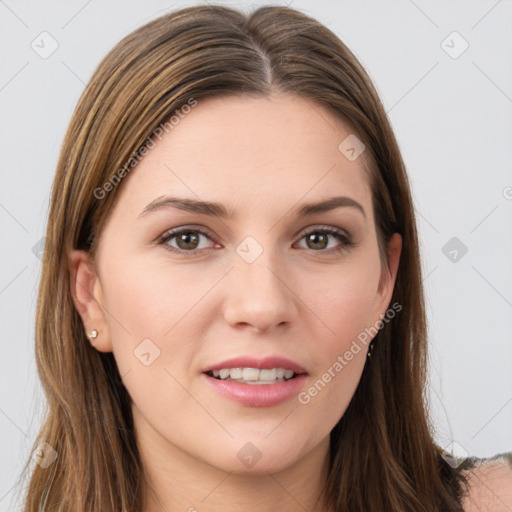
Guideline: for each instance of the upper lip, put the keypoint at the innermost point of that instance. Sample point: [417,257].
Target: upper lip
[259,363]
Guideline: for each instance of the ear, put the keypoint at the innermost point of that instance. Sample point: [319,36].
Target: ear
[388,276]
[87,296]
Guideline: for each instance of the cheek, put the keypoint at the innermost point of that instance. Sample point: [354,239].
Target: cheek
[154,299]
[342,312]
[161,309]
[343,300]
[156,322]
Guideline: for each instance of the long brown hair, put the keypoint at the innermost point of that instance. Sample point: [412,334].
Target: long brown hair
[382,455]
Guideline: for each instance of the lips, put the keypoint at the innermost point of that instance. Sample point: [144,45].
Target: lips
[249,395]
[266,363]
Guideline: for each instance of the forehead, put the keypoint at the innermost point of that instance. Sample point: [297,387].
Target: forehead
[245,152]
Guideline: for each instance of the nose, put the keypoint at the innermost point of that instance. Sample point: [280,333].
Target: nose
[260,294]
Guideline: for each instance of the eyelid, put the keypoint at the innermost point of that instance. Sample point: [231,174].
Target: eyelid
[188,227]
[320,227]
[346,240]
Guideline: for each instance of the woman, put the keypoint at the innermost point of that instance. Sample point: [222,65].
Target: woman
[231,311]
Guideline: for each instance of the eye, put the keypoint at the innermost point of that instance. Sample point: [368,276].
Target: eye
[188,240]
[320,238]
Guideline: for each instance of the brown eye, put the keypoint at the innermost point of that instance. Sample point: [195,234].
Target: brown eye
[318,240]
[187,240]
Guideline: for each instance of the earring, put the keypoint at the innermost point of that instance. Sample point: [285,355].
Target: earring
[369,355]
[93,334]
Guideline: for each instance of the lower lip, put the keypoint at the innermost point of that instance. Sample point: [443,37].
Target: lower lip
[257,395]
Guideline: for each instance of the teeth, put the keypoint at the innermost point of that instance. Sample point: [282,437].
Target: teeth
[288,374]
[250,374]
[254,375]
[268,374]
[235,373]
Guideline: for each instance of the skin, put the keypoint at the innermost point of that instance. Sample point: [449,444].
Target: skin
[490,487]
[260,158]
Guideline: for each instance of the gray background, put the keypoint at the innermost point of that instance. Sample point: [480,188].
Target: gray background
[451,111]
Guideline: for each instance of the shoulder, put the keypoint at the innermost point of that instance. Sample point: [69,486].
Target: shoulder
[489,485]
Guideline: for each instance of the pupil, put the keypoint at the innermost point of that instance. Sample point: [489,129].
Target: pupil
[313,237]
[185,238]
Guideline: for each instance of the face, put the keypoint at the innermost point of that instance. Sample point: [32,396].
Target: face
[262,287]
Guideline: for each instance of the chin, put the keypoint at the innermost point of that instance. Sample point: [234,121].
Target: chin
[256,457]
[260,469]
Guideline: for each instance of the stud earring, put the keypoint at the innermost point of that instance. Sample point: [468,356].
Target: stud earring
[93,334]
[369,355]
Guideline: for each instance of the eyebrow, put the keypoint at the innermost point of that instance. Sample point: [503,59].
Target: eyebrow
[218,210]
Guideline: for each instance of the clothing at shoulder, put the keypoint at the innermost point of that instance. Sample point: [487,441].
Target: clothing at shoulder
[490,483]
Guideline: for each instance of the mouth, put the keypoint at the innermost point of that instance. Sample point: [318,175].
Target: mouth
[253,376]
[267,387]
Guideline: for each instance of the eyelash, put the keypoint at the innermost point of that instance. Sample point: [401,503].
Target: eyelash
[346,241]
